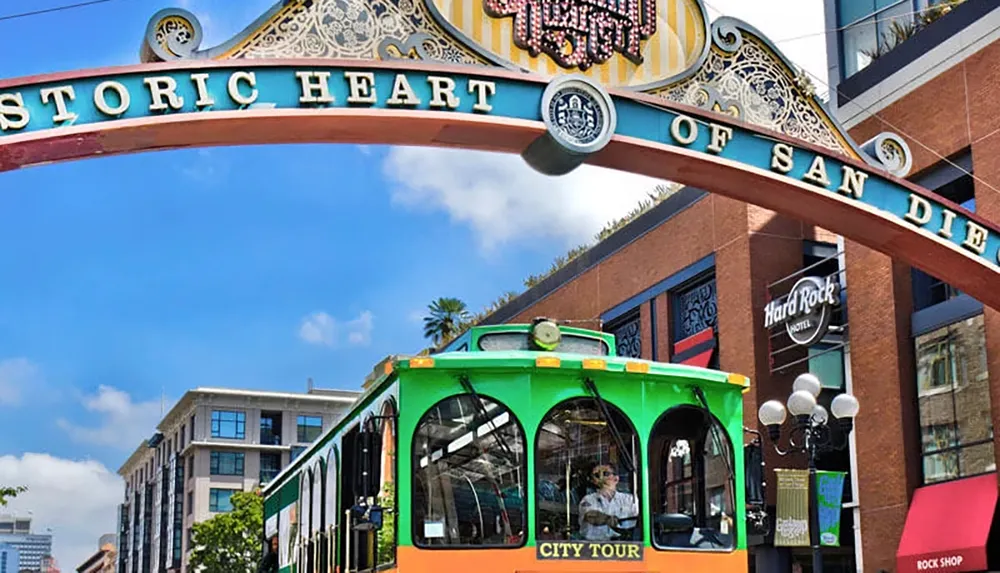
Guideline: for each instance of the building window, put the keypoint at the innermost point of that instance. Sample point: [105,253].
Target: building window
[229,424]
[583,459]
[694,311]
[929,290]
[296,450]
[227,463]
[463,452]
[695,308]
[865,39]
[191,429]
[270,467]
[628,334]
[190,503]
[218,499]
[270,428]
[692,481]
[309,428]
[953,393]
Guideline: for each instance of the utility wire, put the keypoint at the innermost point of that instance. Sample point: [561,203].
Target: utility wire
[897,129]
[860,23]
[56,9]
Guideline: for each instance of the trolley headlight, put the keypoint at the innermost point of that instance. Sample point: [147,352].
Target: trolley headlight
[545,334]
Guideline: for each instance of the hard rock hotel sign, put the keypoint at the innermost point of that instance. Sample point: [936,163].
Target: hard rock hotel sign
[647,86]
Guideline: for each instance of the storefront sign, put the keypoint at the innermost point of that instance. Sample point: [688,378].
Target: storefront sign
[949,562]
[829,500]
[583,119]
[590,550]
[805,311]
[791,524]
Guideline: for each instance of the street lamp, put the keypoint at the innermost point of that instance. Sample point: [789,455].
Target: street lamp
[810,433]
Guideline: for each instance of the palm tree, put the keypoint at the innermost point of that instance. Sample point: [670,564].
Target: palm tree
[447,316]
[7,493]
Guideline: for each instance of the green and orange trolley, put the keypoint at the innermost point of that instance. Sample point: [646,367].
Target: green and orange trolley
[522,448]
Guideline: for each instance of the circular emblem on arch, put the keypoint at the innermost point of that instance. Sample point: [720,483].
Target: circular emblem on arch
[813,302]
[579,114]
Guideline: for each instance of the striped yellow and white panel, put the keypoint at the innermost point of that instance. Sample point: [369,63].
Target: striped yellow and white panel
[678,42]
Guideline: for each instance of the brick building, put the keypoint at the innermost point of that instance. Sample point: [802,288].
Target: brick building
[688,281]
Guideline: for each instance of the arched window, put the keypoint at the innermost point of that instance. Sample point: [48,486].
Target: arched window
[305,502]
[691,472]
[586,468]
[387,484]
[469,469]
[332,470]
[317,497]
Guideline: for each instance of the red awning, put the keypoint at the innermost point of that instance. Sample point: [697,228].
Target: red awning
[947,527]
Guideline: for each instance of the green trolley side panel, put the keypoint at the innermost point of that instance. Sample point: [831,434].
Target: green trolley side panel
[530,393]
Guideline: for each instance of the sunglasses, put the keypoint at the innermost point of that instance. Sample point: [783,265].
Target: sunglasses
[603,473]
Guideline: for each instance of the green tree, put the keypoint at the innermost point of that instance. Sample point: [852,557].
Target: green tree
[231,542]
[9,493]
[446,318]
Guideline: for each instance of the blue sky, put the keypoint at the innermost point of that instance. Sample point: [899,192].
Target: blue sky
[129,278]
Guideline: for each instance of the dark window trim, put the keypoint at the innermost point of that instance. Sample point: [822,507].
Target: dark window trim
[612,407]
[909,51]
[635,314]
[705,276]
[944,314]
[734,482]
[943,173]
[232,490]
[215,463]
[237,422]
[528,488]
[962,446]
[819,249]
[670,283]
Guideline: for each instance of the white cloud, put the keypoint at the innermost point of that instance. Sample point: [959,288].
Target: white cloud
[77,499]
[505,200]
[123,423]
[359,330]
[321,329]
[796,27]
[16,375]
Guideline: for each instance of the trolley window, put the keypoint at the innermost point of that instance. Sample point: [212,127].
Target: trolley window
[469,471]
[586,473]
[515,340]
[691,472]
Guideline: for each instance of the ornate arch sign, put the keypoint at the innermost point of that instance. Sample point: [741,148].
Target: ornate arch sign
[647,86]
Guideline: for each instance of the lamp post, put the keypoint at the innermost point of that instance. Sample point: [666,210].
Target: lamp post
[810,433]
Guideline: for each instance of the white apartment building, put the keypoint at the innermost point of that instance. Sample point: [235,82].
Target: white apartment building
[213,442]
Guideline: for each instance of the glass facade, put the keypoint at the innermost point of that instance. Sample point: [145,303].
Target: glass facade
[309,428]
[218,499]
[954,401]
[227,463]
[229,424]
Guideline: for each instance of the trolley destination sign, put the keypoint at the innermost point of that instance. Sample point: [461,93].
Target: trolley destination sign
[104,98]
[589,550]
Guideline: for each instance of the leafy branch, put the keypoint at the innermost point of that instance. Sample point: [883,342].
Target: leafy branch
[9,493]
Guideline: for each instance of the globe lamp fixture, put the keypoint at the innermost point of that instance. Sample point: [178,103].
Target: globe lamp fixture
[811,433]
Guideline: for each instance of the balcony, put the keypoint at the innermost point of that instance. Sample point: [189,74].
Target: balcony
[875,47]
[270,428]
[269,438]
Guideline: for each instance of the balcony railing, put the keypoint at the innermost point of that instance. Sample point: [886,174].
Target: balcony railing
[269,438]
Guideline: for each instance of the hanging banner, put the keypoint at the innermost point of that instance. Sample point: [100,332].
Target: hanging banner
[829,499]
[791,526]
